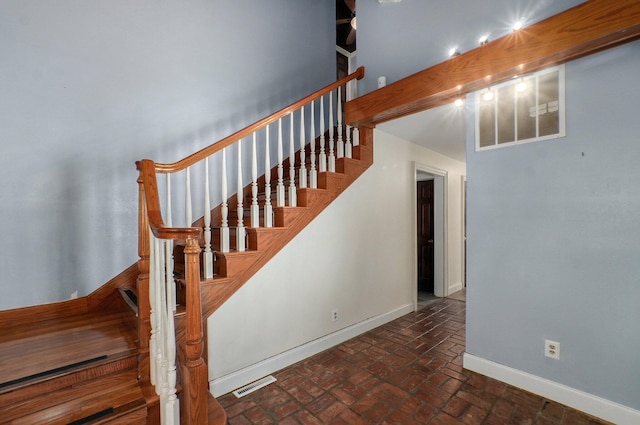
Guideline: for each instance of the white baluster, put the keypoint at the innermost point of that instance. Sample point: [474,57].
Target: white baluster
[187,199]
[162,309]
[172,404]
[313,173]
[224,209]
[208,254]
[171,294]
[268,209]
[168,255]
[240,231]
[293,201]
[280,185]
[348,151]
[332,157]
[255,209]
[322,158]
[302,176]
[159,313]
[339,142]
[171,286]
[172,413]
[168,196]
[153,316]
[356,136]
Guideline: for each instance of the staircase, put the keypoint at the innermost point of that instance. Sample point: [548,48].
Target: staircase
[137,355]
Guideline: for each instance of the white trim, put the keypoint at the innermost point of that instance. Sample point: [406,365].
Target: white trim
[233,380]
[463,231]
[440,286]
[352,86]
[585,402]
[346,53]
[455,288]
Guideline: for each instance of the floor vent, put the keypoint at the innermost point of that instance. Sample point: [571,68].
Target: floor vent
[254,386]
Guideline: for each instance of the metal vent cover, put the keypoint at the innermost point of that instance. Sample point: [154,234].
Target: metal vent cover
[254,386]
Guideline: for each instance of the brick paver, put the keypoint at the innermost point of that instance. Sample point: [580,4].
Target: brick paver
[408,371]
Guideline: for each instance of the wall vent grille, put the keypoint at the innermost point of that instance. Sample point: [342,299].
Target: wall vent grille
[254,386]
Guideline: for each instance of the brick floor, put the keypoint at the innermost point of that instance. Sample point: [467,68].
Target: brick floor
[408,371]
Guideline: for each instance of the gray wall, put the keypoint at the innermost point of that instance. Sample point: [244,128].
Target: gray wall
[400,39]
[553,233]
[87,88]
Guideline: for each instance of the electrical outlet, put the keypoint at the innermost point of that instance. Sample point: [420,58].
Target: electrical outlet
[334,315]
[552,349]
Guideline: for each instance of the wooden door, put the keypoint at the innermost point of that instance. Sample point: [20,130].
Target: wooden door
[425,236]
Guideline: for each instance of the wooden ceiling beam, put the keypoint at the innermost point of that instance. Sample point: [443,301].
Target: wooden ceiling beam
[580,31]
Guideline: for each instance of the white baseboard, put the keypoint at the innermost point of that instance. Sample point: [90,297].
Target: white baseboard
[585,402]
[455,288]
[239,378]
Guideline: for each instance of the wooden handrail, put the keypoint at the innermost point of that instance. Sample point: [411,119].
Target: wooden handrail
[148,169]
[229,140]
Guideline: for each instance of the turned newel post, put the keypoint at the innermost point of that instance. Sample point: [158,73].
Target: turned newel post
[194,371]
[144,306]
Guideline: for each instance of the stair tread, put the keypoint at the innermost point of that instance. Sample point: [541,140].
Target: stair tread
[107,395]
[29,352]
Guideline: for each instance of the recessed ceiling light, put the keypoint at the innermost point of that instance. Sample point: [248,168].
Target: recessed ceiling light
[518,25]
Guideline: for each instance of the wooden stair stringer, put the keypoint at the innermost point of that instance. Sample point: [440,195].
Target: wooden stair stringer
[294,220]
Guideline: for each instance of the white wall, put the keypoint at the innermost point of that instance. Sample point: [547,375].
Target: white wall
[357,257]
[89,87]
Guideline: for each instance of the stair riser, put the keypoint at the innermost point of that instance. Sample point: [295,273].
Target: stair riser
[234,262]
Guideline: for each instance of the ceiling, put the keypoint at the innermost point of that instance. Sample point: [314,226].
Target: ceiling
[441,129]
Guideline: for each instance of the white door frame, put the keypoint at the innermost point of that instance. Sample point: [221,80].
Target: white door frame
[463,229]
[440,240]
